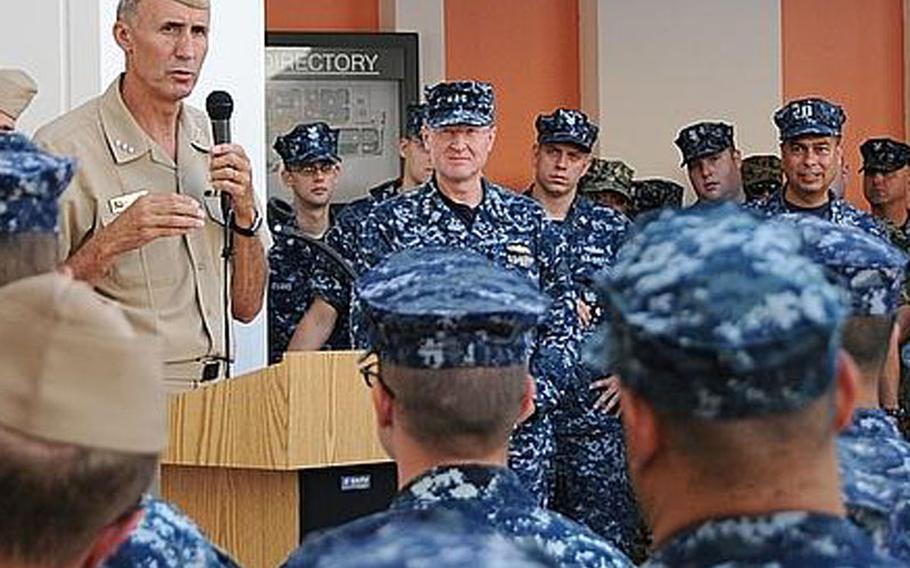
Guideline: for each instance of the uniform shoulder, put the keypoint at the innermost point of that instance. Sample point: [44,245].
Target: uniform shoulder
[580,539]
[71,126]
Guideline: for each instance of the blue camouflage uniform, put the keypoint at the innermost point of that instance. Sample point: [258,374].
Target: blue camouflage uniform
[31,180]
[874,457]
[343,237]
[424,539]
[815,117]
[514,232]
[166,538]
[885,155]
[717,316]
[292,258]
[780,540]
[592,483]
[449,308]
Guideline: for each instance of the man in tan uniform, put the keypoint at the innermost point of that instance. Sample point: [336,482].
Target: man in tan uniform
[17,89]
[140,221]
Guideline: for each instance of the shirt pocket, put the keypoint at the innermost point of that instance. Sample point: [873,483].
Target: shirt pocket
[152,264]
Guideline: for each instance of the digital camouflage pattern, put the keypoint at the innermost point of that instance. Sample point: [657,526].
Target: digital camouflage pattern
[166,538]
[515,233]
[440,307]
[607,175]
[425,539]
[867,268]
[654,194]
[762,176]
[487,498]
[460,103]
[566,126]
[292,262]
[837,211]
[308,144]
[704,139]
[592,484]
[883,155]
[31,181]
[809,117]
[781,540]
[718,315]
[875,473]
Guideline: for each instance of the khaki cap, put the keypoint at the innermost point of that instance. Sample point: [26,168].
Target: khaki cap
[74,371]
[17,89]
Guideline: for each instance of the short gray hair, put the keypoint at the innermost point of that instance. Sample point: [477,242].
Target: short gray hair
[127,10]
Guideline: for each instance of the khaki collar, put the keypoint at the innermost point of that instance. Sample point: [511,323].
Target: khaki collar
[128,141]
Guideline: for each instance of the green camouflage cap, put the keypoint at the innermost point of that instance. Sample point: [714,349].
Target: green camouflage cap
[607,175]
[762,175]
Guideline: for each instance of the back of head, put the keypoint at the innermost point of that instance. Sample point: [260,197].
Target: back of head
[81,418]
[31,181]
[726,329]
[452,334]
[870,273]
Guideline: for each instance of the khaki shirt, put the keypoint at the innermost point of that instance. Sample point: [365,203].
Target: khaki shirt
[172,286]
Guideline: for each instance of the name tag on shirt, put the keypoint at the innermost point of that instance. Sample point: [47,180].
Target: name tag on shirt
[119,204]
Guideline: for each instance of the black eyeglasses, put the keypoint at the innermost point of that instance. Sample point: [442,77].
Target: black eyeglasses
[310,170]
[369,368]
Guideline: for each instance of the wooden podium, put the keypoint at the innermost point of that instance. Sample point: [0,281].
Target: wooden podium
[235,449]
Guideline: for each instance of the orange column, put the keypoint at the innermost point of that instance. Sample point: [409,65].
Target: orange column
[850,52]
[322,15]
[528,49]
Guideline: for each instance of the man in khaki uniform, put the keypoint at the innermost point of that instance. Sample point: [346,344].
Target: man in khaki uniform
[81,423]
[140,221]
[17,89]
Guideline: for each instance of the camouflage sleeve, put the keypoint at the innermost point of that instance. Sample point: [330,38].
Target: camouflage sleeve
[328,281]
[557,342]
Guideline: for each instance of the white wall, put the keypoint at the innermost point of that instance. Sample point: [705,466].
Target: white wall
[427,18]
[74,57]
[663,64]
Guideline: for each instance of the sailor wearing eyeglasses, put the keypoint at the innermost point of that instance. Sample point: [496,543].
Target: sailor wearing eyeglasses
[311,168]
[452,334]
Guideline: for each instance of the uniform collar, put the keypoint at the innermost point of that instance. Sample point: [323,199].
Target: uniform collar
[126,139]
[874,422]
[455,484]
[789,534]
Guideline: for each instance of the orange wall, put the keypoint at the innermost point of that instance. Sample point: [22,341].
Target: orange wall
[322,15]
[852,53]
[528,49]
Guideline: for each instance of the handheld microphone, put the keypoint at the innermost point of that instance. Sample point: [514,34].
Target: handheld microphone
[219,105]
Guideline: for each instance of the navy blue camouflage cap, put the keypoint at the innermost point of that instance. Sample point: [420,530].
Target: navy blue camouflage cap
[566,126]
[441,307]
[460,103]
[416,118]
[719,315]
[31,181]
[809,117]
[869,270]
[703,139]
[308,144]
[884,155]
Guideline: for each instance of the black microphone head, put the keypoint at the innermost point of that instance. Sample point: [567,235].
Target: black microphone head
[219,105]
